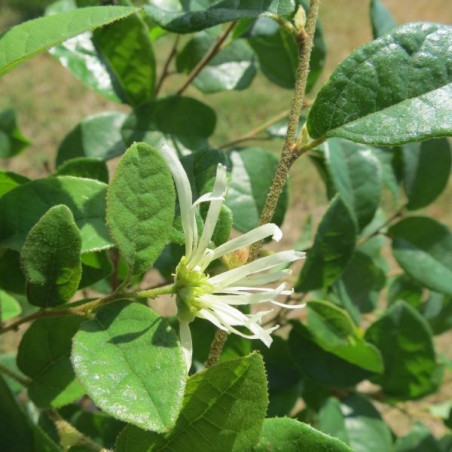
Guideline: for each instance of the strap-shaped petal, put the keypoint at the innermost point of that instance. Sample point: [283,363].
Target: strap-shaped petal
[186,343]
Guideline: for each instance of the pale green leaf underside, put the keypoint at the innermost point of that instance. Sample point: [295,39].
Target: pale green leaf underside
[30,38]
[393,90]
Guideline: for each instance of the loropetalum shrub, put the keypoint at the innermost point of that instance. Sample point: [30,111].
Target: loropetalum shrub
[96,367]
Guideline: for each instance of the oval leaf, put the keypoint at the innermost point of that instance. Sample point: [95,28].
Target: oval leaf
[405,342]
[289,435]
[131,364]
[35,36]
[376,105]
[51,258]
[44,355]
[207,13]
[423,248]
[84,197]
[380,18]
[426,170]
[252,174]
[84,167]
[97,136]
[333,247]
[217,404]
[140,206]
[12,141]
[356,174]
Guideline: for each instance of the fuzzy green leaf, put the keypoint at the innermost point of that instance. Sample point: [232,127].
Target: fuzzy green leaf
[140,206]
[9,180]
[51,258]
[375,104]
[35,36]
[88,168]
[130,362]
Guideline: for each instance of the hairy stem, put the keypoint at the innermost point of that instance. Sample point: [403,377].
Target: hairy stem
[9,373]
[216,347]
[165,70]
[206,58]
[156,292]
[289,154]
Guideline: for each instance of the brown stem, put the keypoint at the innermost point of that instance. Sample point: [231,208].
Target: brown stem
[289,154]
[216,348]
[206,58]
[165,70]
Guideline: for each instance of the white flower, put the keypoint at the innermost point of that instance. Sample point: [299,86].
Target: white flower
[213,298]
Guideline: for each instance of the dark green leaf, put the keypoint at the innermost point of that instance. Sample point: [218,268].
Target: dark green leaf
[437,310]
[17,433]
[380,18]
[9,180]
[356,174]
[35,36]
[9,306]
[95,266]
[233,68]
[44,356]
[182,118]
[97,137]
[190,17]
[12,278]
[333,247]
[51,258]
[376,105]
[391,163]
[405,342]
[85,198]
[318,159]
[322,367]
[128,349]
[289,435]
[418,439]
[426,170]
[252,174]
[140,207]
[88,168]
[224,408]
[357,422]
[334,331]
[423,248]
[12,140]
[403,288]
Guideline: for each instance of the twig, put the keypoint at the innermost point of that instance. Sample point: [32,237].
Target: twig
[252,133]
[21,380]
[289,154]
[206,58]
[165,70]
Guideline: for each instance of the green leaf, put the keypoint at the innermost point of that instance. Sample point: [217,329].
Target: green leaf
[44,356]
[126,49]
[17,432]
[128,349]
[375,105]
[182,118]
[140,206]
[356,174]
[289,435]
[9,180]
[35,36]
[232,68]
[405,342]
[418,439]
[319,365]
[335,332]
[357,422]
[278,54]
[85,198]
[426,170]
[390,162]
[95,266]
[188,18]
[8,360]
[423,248]
[97,137]
[437,310]
[88,168]
[381,19]
[51,258]
[12,140]
[333,247]
[252,174]
[403,288]
[12,278]
[9,306]
[224,408]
